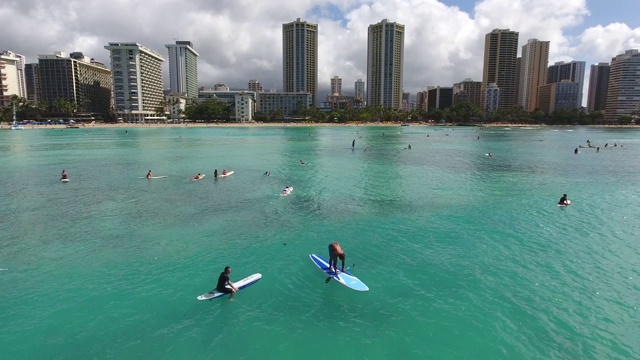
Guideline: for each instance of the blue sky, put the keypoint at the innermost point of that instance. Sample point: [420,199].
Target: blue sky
[241,40]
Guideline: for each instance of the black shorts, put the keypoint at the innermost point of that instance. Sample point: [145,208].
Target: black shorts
[225,290]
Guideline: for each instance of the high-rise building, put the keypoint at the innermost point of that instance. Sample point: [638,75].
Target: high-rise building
[492,97]
[598,82]
[183,69]
[573,71]
[300,58]
[12,80]
[359,90]
[468,91]
[500,52]
[255,86]
[518,69]
[137,80]
[533,72]
[558,95]
[31,77]
[623,92]
[439,97]
[385,63]
[220,87]
[336,86]
[77,79]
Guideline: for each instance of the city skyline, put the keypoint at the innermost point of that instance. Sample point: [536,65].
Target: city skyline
[443,40]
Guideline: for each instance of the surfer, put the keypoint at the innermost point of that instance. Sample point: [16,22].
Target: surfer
[224,172]
[575,151]
[267,173]
[335,252]
[353,143]
[63,175]
[287,190]
[215,173]
[223,280]
[302,162]
[149,175]
[197,177]
[409,147]
[563,200]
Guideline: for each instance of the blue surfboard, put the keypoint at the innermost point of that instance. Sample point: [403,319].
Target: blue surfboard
[345,278]
[240,284]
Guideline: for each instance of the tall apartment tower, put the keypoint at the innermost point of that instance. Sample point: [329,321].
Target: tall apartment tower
[598,82]
[32,80]
[75,78]
[12,80]
[183,69]
[137,80]
[300,58]
[359,90]
[255,86]
[336,86]
[573,71]
[500,52]
[533,72]
[385,64]
[468,91]
[623,92]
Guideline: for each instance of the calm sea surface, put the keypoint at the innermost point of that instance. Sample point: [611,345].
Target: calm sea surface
[467,256]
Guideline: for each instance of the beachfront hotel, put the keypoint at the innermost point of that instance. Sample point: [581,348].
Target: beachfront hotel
[558,95]
[12,81]
[385,64]
[336,86]
[533,72]
[77,79]
[573,71]
[183,69]
[623,93]
[300,58]
[500,52]
[31,78]
[598,83]
[137,81]
[359,91]
[468,91]
[285,102]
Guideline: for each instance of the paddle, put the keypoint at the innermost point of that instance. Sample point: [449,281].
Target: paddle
[329,278]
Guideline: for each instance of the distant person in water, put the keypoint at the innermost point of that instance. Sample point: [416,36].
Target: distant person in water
[64,175]
[224,280]
[335,252]
[563,200]
[598,149]
[267,173]
[409,147]
[490,155]
[353,143]
[149,175]
[224,172]
[302,162]
[197,177]
[215,173]
[575,151]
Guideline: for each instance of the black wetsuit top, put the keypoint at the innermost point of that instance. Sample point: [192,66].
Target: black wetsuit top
[222,281]
[563,200]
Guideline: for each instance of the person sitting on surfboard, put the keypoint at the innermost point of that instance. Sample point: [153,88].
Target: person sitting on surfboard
[149,175]
[215,173]
[335,252]
[63,175]
[223,280]
[563,200]
[286,190]
[197,177]
[224,172]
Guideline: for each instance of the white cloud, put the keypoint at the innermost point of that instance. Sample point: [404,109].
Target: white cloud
[242,40]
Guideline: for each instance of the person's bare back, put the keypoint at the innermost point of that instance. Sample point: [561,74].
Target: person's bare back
[335,252]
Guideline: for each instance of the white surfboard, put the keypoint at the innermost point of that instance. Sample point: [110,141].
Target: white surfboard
[241,284]
[567,204]
[200,178]
[64,180]
[153,177]
[227,174]
[345,278]
[287,192]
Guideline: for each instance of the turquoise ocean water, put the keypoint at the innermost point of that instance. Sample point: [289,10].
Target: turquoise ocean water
[466,256]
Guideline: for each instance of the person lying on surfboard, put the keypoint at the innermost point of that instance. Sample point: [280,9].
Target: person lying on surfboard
[223,280]
[197,177]
[149,175]
[335,252]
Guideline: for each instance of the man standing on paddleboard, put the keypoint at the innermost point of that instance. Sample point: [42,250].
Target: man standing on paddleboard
[223,280]
[335,252]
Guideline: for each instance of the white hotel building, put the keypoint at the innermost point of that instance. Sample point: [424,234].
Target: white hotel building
[137,81]
[12,80]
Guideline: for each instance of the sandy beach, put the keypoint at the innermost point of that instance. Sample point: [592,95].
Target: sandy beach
[6,126]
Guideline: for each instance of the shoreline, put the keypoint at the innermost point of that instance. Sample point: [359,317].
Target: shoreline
[282,124]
